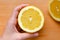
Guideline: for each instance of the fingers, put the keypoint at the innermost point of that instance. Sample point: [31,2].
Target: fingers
[13,19]
[21,36]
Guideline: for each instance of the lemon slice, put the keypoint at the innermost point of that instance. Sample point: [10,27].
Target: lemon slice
[30,19]
[54,9]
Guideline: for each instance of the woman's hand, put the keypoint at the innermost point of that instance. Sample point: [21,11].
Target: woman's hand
[11,32]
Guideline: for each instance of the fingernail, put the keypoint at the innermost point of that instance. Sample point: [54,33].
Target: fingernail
[36,34]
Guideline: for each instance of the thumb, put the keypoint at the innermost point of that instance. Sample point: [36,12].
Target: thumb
[21,36]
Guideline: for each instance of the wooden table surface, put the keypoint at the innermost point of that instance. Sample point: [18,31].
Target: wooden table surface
[51,29]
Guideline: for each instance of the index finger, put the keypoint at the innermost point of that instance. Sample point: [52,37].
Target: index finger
[17,10]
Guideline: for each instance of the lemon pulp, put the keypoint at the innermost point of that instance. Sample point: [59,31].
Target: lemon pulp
[31,19]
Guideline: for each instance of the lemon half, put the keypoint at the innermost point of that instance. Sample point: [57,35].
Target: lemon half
[54,9]
[31,19]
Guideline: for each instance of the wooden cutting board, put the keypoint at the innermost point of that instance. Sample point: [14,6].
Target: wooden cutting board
[51,29]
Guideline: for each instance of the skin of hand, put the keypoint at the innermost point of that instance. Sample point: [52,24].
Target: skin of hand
[11,32]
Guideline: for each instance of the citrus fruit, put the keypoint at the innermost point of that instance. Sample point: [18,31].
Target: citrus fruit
[54,9]
[30,19]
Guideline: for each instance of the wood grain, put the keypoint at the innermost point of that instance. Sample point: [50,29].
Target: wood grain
[51,29]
